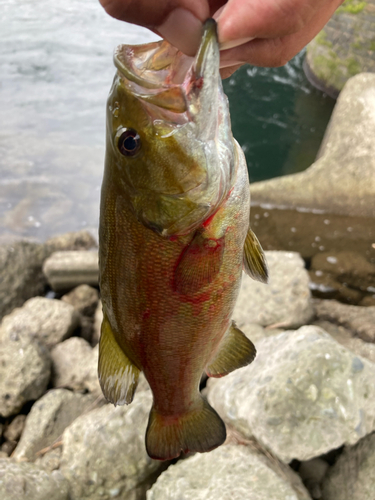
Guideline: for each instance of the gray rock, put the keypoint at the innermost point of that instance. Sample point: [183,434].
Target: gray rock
[25,368]
[24,481]
[360,320]
[352,477]
[104,455]
[98,319]
[14,430]
[50,321]
[75,366]
[8,447]
[66,270]
[284,302]
[47,420]
[368,301]
[342,180]
[312,473]
[303,396]
[3,454]
[84,299]
[75,240]
[325,286]
[21,274]
[228,473]
[50,461]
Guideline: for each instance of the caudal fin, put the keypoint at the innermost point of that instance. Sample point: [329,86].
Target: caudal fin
[199,430]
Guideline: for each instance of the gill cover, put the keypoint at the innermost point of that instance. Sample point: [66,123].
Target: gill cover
[169,142]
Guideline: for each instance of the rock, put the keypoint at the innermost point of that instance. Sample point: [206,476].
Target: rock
[97,324]
[303,396]
[229,472]
[47,420]
[50,461]
[348,267]
[104,455]
[285,301]
[84,299]
[25,368]
[3,454]
[325,286]
[87,328]
[8,447]
[360,320]
[25,481]
[342,180]
[14,430]
[343,48]
[352,476]
[75,366]
[66,270]
[344,337]
[76,240]
[368,301]
[312,473]
[49,320]
[21,274]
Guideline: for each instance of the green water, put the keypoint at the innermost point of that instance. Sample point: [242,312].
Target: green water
[278,118]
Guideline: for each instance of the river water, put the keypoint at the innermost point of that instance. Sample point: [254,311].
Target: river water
[55,73]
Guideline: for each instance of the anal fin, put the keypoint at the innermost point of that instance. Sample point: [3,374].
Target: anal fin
[118,376]
[254,259]
[235,351]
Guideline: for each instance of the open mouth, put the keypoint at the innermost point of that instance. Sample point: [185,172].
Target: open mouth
[160,74]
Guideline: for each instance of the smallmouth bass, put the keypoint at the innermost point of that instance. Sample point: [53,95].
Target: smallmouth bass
[174,238]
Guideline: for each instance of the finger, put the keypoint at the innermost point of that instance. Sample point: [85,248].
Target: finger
[266,18]
[272,52]
[178,21]
[227,72]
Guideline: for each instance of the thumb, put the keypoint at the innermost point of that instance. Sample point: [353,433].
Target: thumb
[178,21]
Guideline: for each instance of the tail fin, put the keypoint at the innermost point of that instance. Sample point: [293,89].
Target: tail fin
[201,429]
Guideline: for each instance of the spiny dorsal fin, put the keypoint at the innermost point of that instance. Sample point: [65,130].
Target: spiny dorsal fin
[201,429]
[235,351]
[118,376]
[199,264]
[254,259]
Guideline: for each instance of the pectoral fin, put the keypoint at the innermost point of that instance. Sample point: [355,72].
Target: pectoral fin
[199,264]
[254,259]
[118,376]
[235,351]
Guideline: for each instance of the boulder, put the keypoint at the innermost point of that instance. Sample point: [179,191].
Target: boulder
[66,270]
[25,368]
[231,472]
[14,430]
[49,320]
[75,366]
[352,476]
[104,454]
[303,396]
[84,299]
[74,240]
[24,481]
[285,301]
[359,320]
[47,420]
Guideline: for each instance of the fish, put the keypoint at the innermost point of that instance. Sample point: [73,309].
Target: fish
[174,238]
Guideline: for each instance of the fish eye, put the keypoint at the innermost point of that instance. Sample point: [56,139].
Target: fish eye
[128,142]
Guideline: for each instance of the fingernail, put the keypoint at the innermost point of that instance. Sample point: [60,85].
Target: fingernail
[183,30]
[230,44]
[227,64]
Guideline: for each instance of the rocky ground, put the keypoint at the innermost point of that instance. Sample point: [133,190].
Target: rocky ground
[300,418]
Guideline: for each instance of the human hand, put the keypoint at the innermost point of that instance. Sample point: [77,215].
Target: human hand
[259,32]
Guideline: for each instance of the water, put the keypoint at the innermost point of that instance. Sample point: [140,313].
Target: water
[55,73]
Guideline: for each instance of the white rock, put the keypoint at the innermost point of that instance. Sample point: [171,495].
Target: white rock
[285,301]
[303,396]
[66,270]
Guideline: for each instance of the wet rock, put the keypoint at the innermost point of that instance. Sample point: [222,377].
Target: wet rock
[21,274]
[325,286]
[98,319]
[229,472]
[75,366]
[67,270]
[284,302]
[360,320]
[14,430]
[24,481]
[348,267]
[76,240]
[47,420]
[342,180]
[352,476]
[50,321]
[303,396]
[104,455]
[312,473]
[84,299]
[25,367]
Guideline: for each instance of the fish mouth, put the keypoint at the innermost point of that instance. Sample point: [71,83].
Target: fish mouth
[165,78]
